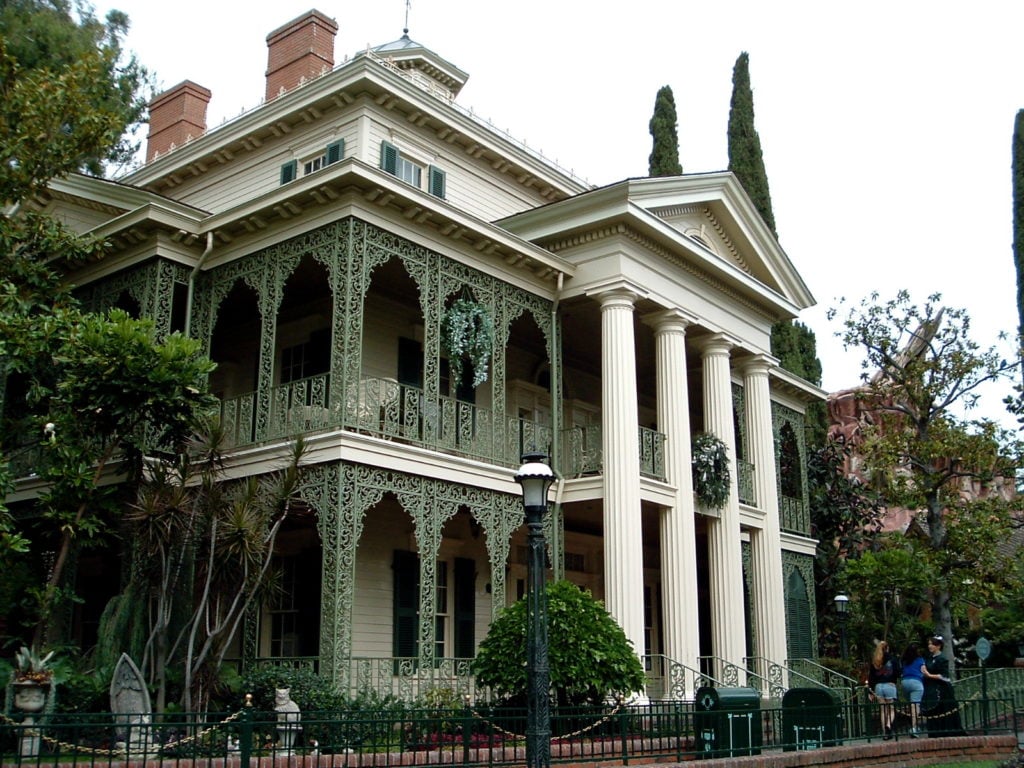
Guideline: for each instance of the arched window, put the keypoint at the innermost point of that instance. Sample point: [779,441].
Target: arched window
[789,463]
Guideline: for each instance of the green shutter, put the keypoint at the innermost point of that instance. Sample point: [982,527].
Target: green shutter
[436,181]
[389,157]
[798,618]
[335,151]
[406,599]
[289,171]
[464,612]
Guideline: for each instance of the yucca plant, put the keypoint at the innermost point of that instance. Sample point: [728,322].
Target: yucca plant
[31,667]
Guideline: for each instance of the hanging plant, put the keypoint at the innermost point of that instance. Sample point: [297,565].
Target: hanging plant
[467,335]
[710,470]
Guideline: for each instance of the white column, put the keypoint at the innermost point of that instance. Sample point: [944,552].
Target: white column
[766,544]
[623,543]
[678,540]
[728,637]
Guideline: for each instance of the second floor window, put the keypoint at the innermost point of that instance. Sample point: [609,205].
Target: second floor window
[411,172]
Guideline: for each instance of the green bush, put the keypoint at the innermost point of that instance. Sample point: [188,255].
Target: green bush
[589,655]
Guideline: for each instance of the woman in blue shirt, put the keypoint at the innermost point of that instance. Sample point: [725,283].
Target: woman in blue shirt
[912,685]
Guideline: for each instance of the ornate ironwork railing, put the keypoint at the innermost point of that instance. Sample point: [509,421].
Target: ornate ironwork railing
[408,679]
[745,482]
[794,516]
[671,680]
[385,408]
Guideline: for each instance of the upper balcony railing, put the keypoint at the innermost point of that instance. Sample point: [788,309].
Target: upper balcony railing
[745,482]
[794,516]
[581,451]
[385,408]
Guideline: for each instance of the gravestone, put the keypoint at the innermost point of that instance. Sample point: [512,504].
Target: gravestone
[129,702]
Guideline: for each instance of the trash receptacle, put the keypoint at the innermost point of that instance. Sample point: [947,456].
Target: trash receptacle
[811,718]
[727,722]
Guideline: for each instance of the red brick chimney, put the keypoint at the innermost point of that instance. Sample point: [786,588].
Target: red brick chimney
[175,116]
[300,50]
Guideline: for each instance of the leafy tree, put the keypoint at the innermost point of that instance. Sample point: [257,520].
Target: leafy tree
[589,654]
[110,389]
[887,589]
[71,97]
[1018,213]
[112,393]
[664,159]
[847,520]
[745,158]
[921,448]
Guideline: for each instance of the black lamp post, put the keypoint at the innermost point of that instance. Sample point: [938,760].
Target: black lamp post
[842,602]
[535,477]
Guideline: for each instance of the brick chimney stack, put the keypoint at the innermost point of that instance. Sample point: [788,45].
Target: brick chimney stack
[300,50]
[176,116]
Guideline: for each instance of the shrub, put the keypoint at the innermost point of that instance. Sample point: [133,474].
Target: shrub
[589,654]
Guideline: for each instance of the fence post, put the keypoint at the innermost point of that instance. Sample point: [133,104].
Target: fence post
[467,727]
[624,729]
[245,733]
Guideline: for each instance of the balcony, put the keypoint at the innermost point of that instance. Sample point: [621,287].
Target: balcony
[384,408]
[794,516]
[745,482]
[582,453]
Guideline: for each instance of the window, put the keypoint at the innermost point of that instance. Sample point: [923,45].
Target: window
[392,161]
[309,358]
[331,154]
[284,613]
[454,606]
[798,618]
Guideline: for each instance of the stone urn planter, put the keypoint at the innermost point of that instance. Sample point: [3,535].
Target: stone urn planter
[30,697]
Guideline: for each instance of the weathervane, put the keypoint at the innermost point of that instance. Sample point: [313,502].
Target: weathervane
[408,4]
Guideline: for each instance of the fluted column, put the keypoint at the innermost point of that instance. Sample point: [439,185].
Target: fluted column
[766,544]
[724,553]
[623,543]
[677,535]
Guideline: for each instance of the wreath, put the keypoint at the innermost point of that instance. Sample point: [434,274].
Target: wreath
[467,335]
[710,470]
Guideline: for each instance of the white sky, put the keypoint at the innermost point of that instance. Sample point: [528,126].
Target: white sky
[886,126]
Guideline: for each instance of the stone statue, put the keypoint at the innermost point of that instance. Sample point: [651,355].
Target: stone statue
[288,718]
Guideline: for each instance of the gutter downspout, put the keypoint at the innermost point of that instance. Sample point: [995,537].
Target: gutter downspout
[192,283]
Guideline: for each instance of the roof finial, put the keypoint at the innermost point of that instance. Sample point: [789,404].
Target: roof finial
[408,4]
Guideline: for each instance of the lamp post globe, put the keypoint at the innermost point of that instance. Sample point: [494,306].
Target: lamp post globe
[842,602]
[535,477]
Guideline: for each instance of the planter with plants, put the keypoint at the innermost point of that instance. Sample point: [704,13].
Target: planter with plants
[467,336]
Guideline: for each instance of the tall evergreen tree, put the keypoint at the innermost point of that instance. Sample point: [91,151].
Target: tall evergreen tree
[664,159]
[1018,212]
[793,343]
[745,158]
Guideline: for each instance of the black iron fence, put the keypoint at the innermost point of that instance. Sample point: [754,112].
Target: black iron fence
[473,736]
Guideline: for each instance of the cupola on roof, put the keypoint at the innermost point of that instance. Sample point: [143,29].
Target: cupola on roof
[421,64]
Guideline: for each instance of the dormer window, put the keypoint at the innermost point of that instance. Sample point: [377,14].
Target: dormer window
[332,154]
[408,170]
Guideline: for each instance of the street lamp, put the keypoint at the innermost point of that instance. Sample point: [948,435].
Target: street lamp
[842,602]
[535,477]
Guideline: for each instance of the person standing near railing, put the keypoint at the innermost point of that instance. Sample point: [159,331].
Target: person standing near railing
[912,683]
[939,703]
[882,676]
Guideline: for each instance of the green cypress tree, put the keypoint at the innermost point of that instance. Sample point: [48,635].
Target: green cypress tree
[664,159]
[745,158]
[1018,212]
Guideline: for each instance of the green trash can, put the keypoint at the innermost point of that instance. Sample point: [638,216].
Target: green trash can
[727,722]
[811,718]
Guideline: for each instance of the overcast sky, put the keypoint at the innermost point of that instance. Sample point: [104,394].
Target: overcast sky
[886,126]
